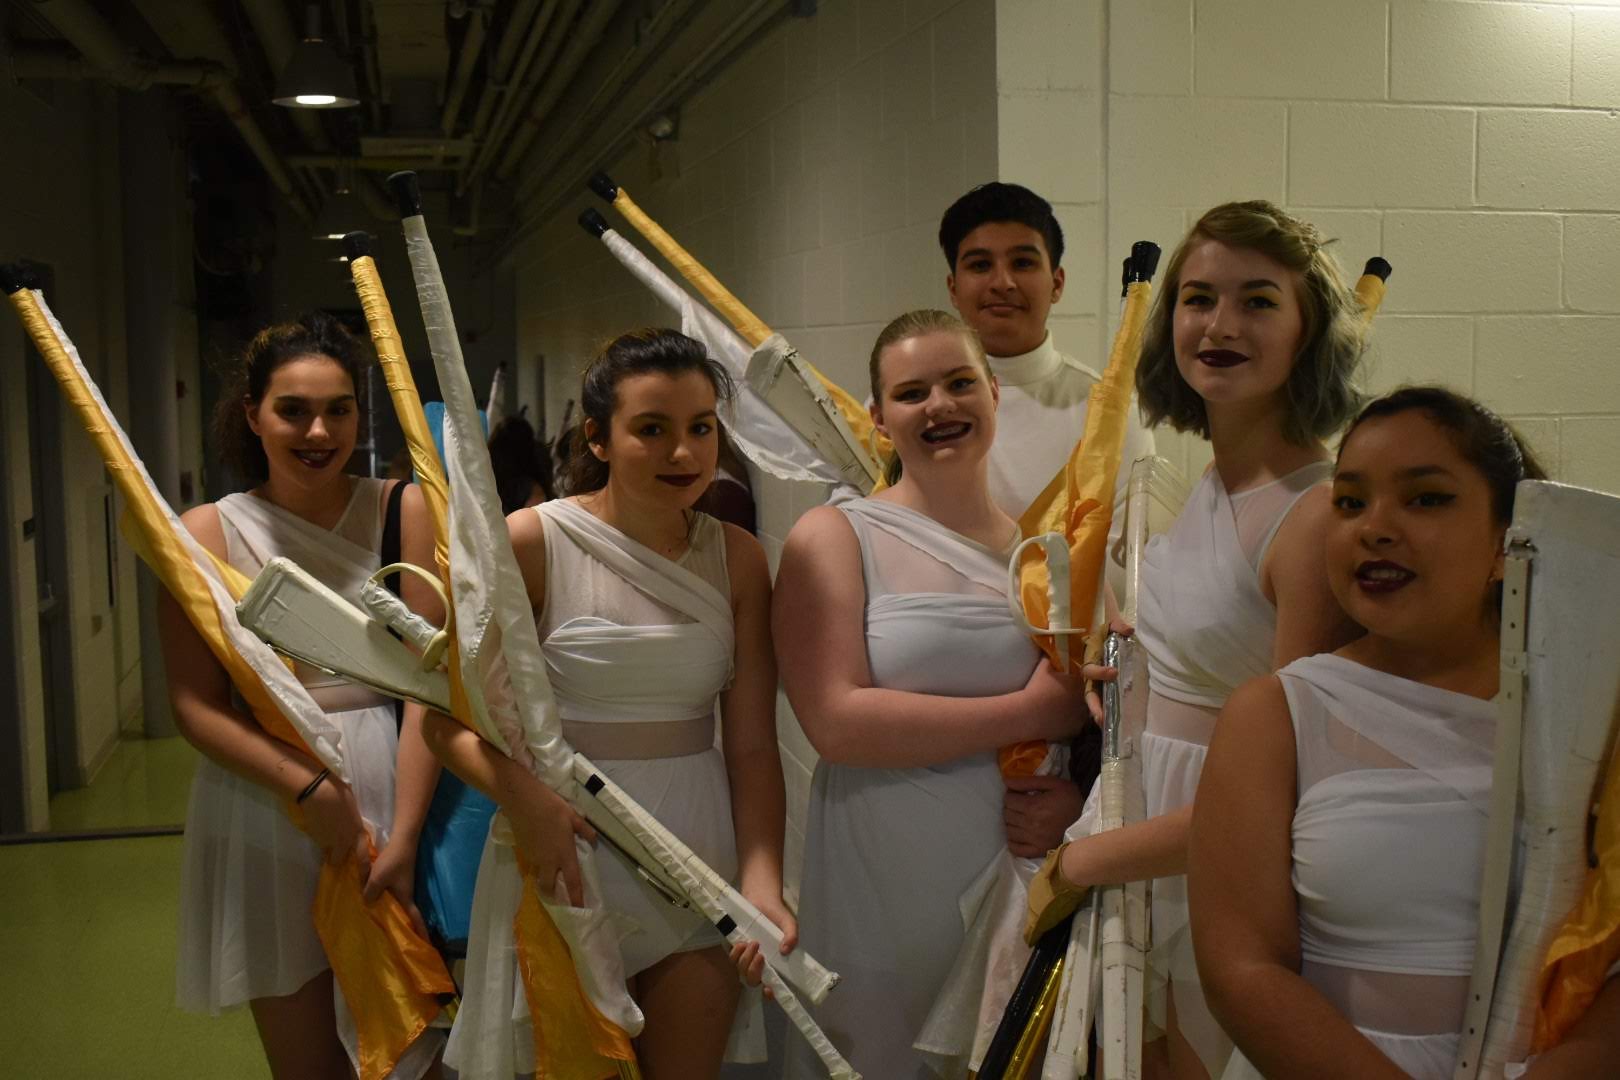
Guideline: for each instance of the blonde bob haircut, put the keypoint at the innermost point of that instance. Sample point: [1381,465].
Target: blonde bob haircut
[1320,393]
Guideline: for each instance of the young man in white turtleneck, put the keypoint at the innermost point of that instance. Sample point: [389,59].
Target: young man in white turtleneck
[1004,248]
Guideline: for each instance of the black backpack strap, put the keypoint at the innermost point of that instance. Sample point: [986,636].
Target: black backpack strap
[390,555]
[390,536]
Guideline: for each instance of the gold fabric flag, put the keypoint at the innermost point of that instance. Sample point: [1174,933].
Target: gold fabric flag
[572,1039]
[1579,958]
[393,980]
[1080,506]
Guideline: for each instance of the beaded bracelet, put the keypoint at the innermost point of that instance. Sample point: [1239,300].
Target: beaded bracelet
[313,784]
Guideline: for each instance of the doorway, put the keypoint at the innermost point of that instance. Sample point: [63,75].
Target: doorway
[51,567]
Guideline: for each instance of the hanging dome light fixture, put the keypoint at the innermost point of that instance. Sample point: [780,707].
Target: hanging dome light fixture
[316,77]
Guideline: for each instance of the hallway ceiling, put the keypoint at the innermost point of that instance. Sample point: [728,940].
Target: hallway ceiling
[486,98]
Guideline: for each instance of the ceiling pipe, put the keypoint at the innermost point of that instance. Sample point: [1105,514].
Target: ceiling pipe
[186,32]
[371,164]
[87,31]
[513,36]
[519,89]
[542,198]
[619,79]
[472,44]
[580,43]
[274,29]
[371,65]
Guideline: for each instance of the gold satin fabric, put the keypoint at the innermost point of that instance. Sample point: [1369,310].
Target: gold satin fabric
[1588,944]
[572,1039]
[1081,507]
[393,980]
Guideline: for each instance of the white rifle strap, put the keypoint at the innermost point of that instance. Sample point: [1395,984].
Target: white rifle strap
[1493,894]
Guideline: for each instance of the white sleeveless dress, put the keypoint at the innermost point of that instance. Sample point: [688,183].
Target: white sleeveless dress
[638,648]
[248,875]
[1208,628]
[889,851]
[1394,781]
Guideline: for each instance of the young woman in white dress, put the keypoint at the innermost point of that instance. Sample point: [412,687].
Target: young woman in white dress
[288,424]
[1251,344]
[907,672]
[1337,939]
[650,614]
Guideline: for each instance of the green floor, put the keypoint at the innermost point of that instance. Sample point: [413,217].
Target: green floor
[143,782]
[87,938]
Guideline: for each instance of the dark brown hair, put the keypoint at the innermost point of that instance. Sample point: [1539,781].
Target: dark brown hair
[313,334]
[519,461]
[1484,439]
[994,202]
[1320,391]
[640,352]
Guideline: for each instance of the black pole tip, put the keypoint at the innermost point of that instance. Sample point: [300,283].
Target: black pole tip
[15,277]
[604,186]
[1378,267]
[1145,258]
[407,193]
[593,222]
[356,244]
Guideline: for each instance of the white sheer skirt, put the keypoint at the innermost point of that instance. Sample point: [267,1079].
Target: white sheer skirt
[248,875]
[1170,771]
[1422,1057]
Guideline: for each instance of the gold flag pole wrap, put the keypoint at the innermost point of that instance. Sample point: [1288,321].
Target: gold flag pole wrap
[402,388]
[1370,287]
[750,326]
[418,439]
[391,979]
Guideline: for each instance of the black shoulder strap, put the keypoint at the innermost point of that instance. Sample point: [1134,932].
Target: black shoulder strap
[390,536]
[390,555]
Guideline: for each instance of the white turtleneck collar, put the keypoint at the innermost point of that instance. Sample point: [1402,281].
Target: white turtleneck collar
[1039,364]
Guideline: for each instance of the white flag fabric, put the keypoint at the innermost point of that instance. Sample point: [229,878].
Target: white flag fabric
[294,702]
[762,436]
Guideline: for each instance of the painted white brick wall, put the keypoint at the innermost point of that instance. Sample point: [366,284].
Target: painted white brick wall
[1476,145]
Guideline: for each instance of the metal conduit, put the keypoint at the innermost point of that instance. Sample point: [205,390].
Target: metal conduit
[553,14]
[84,28]
[513,35]
[471,45]
[583,40]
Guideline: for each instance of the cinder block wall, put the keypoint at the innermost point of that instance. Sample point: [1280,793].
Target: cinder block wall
[1475,144]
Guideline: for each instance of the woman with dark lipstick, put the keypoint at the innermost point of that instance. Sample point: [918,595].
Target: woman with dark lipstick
[907,672]
[1337,939]
[1251,344]
[287,421]
[650,614]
